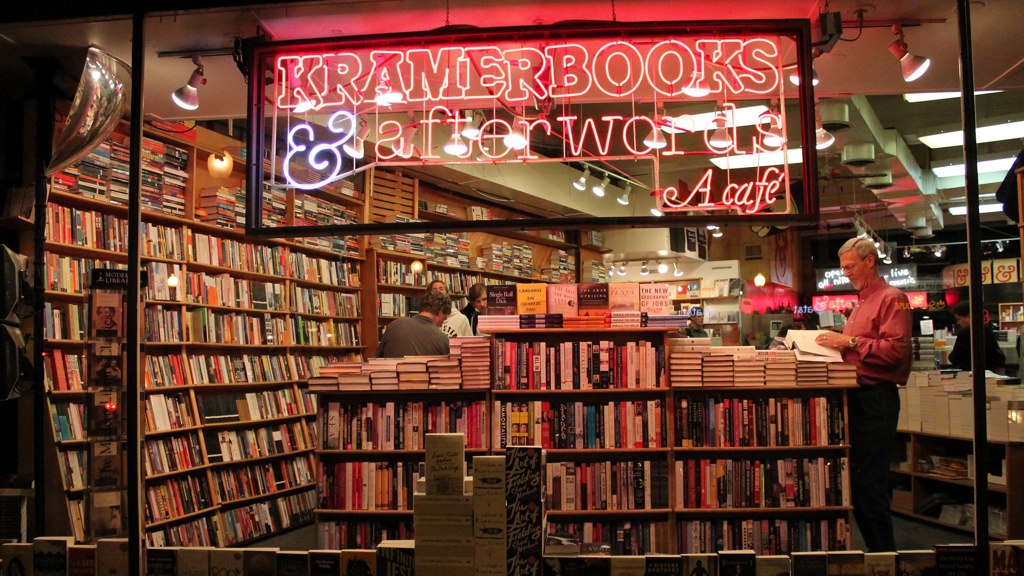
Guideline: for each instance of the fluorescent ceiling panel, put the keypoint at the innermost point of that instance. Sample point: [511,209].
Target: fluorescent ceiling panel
[929,96]
[996,133]
[791,156]
[982,209]
[998,165]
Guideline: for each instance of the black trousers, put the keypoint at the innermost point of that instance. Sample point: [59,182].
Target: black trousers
[874,412]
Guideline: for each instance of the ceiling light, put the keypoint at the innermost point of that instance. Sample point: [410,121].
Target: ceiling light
[355,147]
[736,117]
[759,280]
[823,139]
[655,211]
[794,77]
[929,96]
[472,128]
[999,246]
[643,269]
[982,209]
[996,133]
[622,268]
[662,267]
[624,198]
[777,158]
[773,138]
[655,140]
[220,165]
[187,97]
[906,251]
[516,139]
[712,226]
[985,166]
[938,251]
[913,67]
[598,189]
[675,270]
[581,183]
[721,137]
[717,233]
[455,146]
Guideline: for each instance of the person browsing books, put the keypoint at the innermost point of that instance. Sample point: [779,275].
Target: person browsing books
[457,324]
[476,306]
[418,335]
[877,340]
[960,356]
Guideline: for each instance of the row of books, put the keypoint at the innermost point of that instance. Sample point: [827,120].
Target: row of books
[200,532]
[207,325]
[70,273]
[764,535]
[166,454]
[239,368]
[367,485]
[176,496]
[69,225]
[330,332]
[398,273]
[582,299]
[694,362]
[267,517]
[577,365]
[227,291]
[63,371]
[579,424]
[162,324]
[263,477]
[399,426]
[764,483]
[168,412]
[253,406]
[242,256]
[629,485]
[717,420]
[328,302]
[234,445]
[467,367]
[161,241]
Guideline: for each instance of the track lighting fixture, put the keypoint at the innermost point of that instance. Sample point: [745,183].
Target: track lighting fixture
[698,87]
[581,183]
[675,270]
[655,140]
[721,138]
[386,93]
[472,128]
[913,66]
[516,139]
[643,268]
[622,268]
[712,227]
[455,146]
[598,189]
[823,138]
[655,211]
[794,77]
[939,250]
[999,246]
[355,147]
[906,252]
[624,198]
[187,97]
[662,267]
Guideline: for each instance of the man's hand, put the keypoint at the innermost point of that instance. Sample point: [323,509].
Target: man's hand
[833,340]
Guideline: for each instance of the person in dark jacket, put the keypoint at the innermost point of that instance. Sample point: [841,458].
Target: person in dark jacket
[960,357]
[477,305]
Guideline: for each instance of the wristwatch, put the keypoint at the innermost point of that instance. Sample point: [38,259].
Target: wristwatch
[853,342]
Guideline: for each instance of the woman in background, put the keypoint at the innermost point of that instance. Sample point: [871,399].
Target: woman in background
[477,305]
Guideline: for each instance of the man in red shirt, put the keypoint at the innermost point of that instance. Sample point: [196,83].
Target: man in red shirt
[877,340]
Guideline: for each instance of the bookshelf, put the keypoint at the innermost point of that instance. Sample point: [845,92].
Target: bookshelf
[232,329]
[1011,316]
[930,482]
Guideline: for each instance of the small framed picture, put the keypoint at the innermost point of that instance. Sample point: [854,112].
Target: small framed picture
[774,328]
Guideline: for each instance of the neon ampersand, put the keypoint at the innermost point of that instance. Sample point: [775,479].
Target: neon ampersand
[323,158]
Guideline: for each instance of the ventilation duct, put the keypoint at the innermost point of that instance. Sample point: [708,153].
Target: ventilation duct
[917,221]
[859,154]
[99,104]
[835,116]
[923,233]
[878,181]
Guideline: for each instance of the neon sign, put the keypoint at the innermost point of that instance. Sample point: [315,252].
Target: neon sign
[598,92]
[834,302]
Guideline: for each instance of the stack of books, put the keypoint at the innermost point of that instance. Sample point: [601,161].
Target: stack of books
[842,374]
[583,322]
[475,361]
[666,321]
[625,319]
[748,370]
[540,320]
[444,372]
[810,373]
[779,367]
[490,323]
[412,373]
[718,369]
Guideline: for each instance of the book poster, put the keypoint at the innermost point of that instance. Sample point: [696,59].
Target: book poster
[531,299]
[501,300]
[562,299]
[593,298]
[624,297]
[656,299]
[106,372]
[107,314]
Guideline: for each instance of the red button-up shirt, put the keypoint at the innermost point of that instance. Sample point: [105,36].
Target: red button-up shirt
[881,321]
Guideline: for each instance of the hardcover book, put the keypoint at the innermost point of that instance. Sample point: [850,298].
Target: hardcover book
[293,563]
[107,314]
[699,564]
[524,467]
[809,563]
[916,563]
[562,299]
[50,555]
[627,566]
[324,563]
[737,562]
[82,560]
[501,300]
[773,565]
[624,296]
[112,557]
[16,559]
[396,558]
[957,560]
[229,561]
[880,563]
[658,565]
[356,562]
[1007,558]
[162,561]
[259,562]
[845,563]
[445,464]
[106,518]
[194,561]
[531,299]
[593,298]
[656,299]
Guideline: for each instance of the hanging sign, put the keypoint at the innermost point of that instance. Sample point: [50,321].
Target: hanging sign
[899,275]
[640,92]
[834,302]
[1002,271]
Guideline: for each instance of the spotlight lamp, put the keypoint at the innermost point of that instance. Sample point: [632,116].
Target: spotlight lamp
[355,147]
[220,165]
[675,270]
[455,146]
[598,189]
[823,139]
[472,128]
[906,252]
[622,268]
[643,268]
[913,66]
[655,140]
[516,139]
[698,86]
[939,251]
[662,267]
[581,182]
[187,97]
[794,77]
[717,233]
[624,198]
[721,138]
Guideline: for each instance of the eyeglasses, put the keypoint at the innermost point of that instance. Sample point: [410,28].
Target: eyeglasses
[850,267]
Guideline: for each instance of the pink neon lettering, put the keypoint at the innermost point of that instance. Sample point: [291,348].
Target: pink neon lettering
[430,73]
[385,70]
[569,69]
[732,71]
[670,66]
[390,131]
[616,56]
[301,79]
[576,146]
[482,73]
[343,69]
[523,67]
[749,197]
